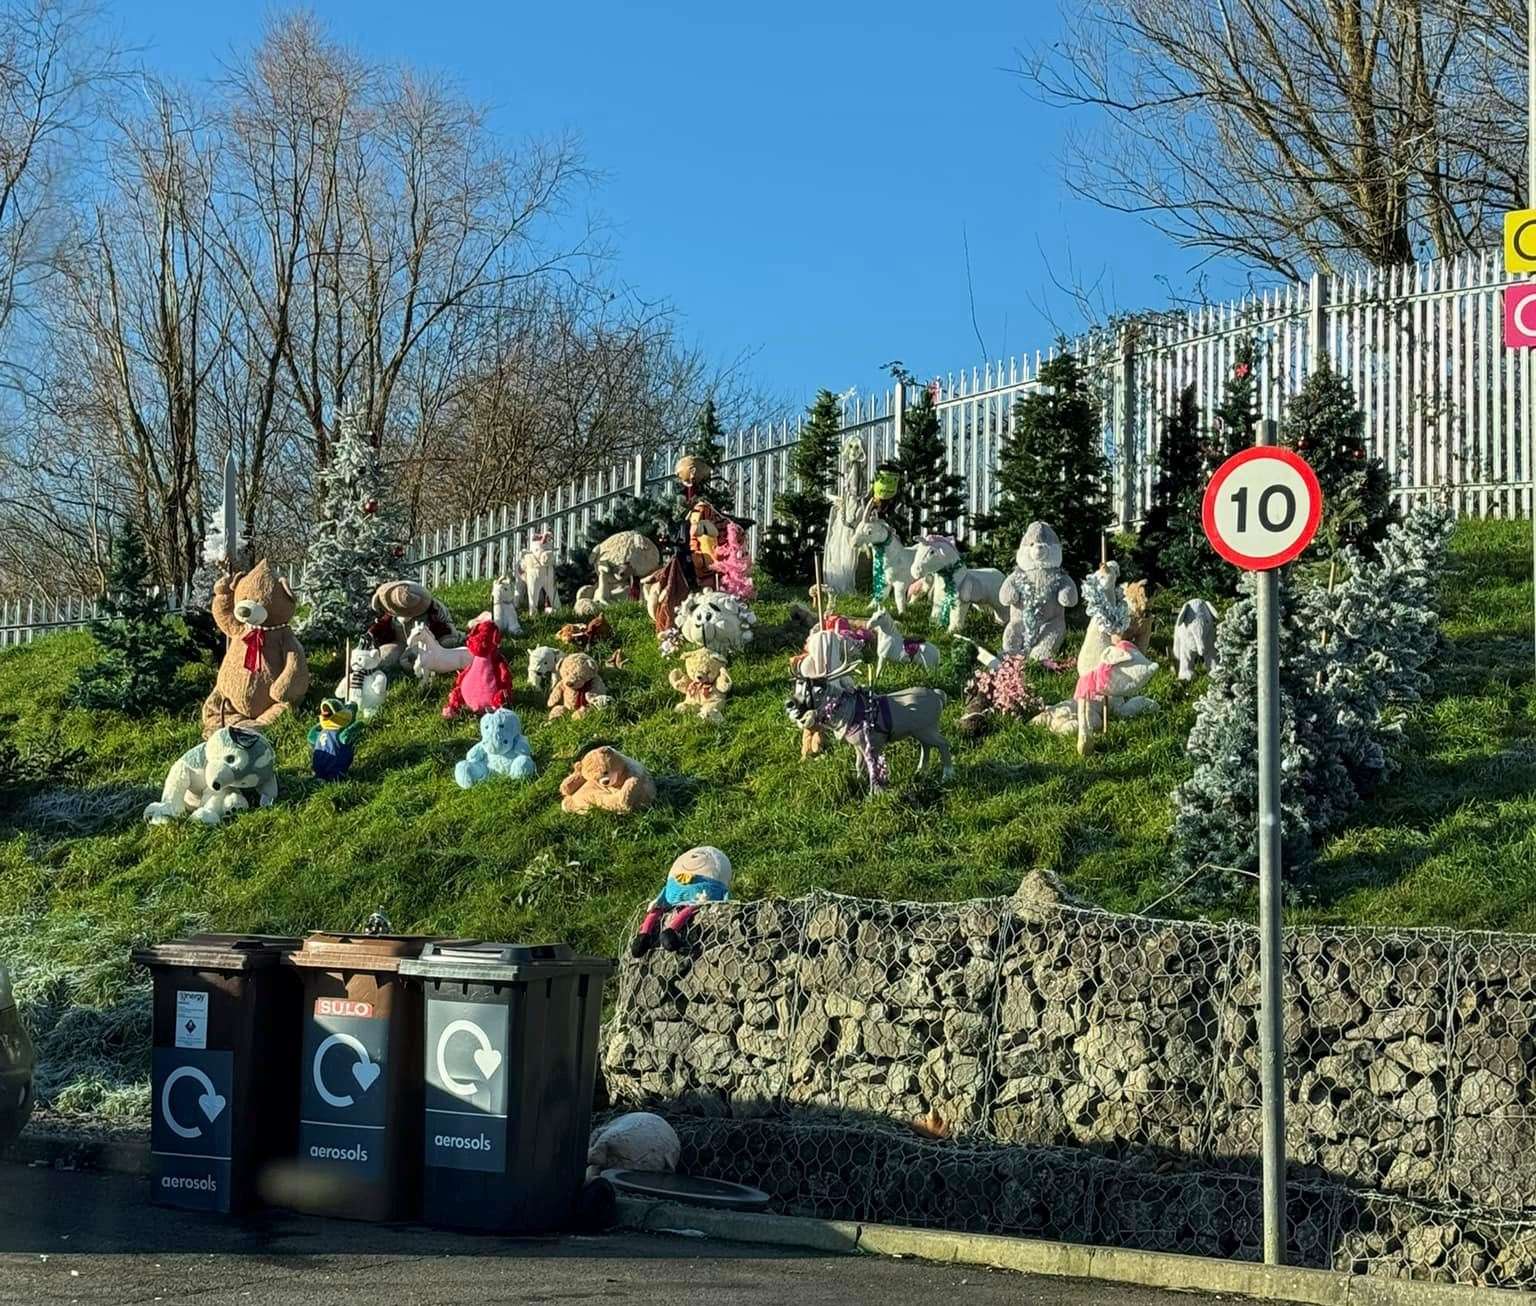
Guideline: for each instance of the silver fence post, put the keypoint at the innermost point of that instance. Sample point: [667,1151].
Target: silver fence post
[639,476]
[1317,306]
[1271,939]
[1125,427]
[898,413]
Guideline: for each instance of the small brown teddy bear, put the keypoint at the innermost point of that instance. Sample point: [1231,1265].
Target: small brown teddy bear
[703,682]
[264,671]
[578,688]
[604,778]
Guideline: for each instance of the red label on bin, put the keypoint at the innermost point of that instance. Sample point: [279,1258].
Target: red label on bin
[343,1007]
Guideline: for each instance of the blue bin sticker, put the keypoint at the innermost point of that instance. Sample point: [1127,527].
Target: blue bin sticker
[466,1056]
[343,1104]
[191,1128]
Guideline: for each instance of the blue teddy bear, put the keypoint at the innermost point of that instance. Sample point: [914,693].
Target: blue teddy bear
[502,750]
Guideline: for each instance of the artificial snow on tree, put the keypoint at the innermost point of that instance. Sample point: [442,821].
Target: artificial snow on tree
[1171,548]
[140,647]
[1324,424]
[795,539]
[932,499]
[1352,656]
[356,545]
[1052,467]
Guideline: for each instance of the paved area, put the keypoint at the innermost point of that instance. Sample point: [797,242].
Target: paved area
[73,1237]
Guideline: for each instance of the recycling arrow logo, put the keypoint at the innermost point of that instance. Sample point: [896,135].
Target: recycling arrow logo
[209,1102]
[487,1058]
[364,1070]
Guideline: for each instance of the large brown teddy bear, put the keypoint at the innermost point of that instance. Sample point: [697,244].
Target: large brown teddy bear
[264,671]
[578,687]
[604,779]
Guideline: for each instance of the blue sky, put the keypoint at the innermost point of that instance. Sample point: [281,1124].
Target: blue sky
[795,178]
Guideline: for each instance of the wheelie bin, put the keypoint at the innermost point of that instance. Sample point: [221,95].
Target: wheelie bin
[509,1058]
[359,1078]
[225,1051]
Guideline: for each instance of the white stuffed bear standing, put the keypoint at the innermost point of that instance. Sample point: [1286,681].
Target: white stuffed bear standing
[1037,593]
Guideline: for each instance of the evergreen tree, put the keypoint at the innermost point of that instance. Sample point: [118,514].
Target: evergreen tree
[357,543]
[1238,411]
[1053,469]
[795,539]
[141,648]
[1171,548]
[1352,655]
[932,499]
[1325,426]
[708,443]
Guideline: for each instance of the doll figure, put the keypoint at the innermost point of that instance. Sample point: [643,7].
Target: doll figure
[700,875]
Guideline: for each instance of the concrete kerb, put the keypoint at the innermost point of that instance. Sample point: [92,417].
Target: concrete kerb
[1068,1260]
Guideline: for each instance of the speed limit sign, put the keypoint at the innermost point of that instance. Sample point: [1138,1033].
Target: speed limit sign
[1262,508]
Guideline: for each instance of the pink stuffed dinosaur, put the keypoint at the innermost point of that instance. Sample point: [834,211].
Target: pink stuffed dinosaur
[486,683]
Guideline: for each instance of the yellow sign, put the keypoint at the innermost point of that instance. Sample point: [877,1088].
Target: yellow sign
[1520,241]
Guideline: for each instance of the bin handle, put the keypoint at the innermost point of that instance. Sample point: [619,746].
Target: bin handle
[536,952]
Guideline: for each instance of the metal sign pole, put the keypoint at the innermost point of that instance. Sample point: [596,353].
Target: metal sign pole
[1272,1011]
[1530,199]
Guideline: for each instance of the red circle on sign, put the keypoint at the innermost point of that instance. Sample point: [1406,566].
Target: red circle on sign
[1247,561]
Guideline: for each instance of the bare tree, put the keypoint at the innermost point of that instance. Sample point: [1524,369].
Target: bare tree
[1294,134]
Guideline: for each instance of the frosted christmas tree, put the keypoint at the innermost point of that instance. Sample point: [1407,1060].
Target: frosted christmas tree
[356,545]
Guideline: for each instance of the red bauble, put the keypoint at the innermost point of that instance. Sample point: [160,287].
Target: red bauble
[398,551]
[371,507]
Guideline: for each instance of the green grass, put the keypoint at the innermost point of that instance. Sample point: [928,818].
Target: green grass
[1448,841]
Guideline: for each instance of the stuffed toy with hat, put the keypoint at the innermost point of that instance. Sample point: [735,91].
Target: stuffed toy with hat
[400,604]
[701,875]
[264,671]
[486,683]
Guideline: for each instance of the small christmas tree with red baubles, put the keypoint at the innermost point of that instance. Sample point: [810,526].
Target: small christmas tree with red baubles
[733,564]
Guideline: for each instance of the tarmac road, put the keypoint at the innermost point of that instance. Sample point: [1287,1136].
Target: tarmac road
[67,1236]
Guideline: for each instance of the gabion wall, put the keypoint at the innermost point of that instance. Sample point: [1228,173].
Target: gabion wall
[1027,1066]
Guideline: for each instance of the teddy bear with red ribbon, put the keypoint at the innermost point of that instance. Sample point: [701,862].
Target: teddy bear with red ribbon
[264,671]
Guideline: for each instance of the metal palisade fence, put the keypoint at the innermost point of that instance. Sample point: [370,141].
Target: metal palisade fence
[1448,408]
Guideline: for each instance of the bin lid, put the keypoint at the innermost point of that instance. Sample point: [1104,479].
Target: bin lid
[377,952]
[502,962]
[210,951]
[691,1190]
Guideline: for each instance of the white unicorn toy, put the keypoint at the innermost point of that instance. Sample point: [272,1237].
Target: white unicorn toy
[890,646]
[431,658]
[538,568]
[956,587]
[892,560]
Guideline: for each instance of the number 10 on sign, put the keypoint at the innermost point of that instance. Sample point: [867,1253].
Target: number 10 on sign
[1262,508]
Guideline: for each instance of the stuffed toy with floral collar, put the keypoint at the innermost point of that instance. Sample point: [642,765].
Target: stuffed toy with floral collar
[486,683]
[703,682]
[578,688]
[264,671]
[700,876]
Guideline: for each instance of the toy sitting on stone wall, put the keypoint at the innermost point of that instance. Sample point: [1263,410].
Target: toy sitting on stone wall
[333,741]
[264,671]
[503,750]
[703,682]
[486,683]
[1037,593]
[230,771]
[603,779]
[701,875]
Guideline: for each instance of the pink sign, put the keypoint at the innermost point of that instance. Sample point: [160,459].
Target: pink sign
[1520,316]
